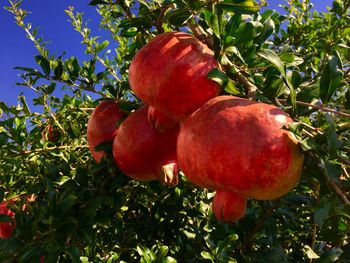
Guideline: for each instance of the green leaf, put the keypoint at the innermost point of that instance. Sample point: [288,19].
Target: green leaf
[291,59]
[231,88]
[207,255]
[101,46]
[73,67]
[322,210]
[233,25]
[308,144]
[29,70]
[58,69]
[5,218]
[75,254]
[244,7]
[163,251]
[169,259]
[333,170]
[98,2]
[215,20]
[331,255]
[234,50]
[44,63]
[275,60]
[62,180]
[247,31]
[218,76]
[178,17]
[331,78]
[347,98]
[308,92]
[50,88]
[67,202]
[296,79]
[267,31]
[309,252]
[25,105]
[332,138]
[104,146]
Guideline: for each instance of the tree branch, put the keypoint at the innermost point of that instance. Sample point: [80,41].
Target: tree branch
[199,33]
[319,107]
[159,20]
[48,149]
[339,192]
[250,87]
[125,8]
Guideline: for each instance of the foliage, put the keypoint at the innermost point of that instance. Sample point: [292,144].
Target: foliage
[91,212]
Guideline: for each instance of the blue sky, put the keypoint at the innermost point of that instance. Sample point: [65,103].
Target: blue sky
[49,16]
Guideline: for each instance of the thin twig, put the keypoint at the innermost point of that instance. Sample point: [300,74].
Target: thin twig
[48,149]
[250,87]
[199,33]
[343,160]
[319,107]
[159,20]
[125,8]
[339,192]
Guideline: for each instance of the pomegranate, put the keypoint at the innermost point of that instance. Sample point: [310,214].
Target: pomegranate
[159,120]
[50,133]
[236,145]
[103,125]
[229,207]
[6,228]
[170,73]
[143,153]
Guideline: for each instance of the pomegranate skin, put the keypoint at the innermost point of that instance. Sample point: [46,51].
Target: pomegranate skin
[103,126]
[237,145]
[229,207]
[6,228]
[143,153]
[159,120]
[170,73]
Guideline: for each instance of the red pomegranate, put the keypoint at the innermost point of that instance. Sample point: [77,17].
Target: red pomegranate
[159,120]
[236,145]
[50,133]
[143,153]
[229,207]
[6,228]
[170,73]
[103,125]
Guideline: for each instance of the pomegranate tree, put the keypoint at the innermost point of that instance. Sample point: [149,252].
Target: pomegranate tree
[170,73]
[236,145]
[143,153]
[103,125]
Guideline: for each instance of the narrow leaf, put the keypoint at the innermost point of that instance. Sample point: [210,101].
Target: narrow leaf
[246,7]
[44,63]
[275,60]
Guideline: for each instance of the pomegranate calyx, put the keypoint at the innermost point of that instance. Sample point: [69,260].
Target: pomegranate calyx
[169,174]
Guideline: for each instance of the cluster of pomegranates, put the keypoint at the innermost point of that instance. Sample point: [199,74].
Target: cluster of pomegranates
[235,146]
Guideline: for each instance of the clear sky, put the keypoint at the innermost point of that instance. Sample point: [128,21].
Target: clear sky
[49,15]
